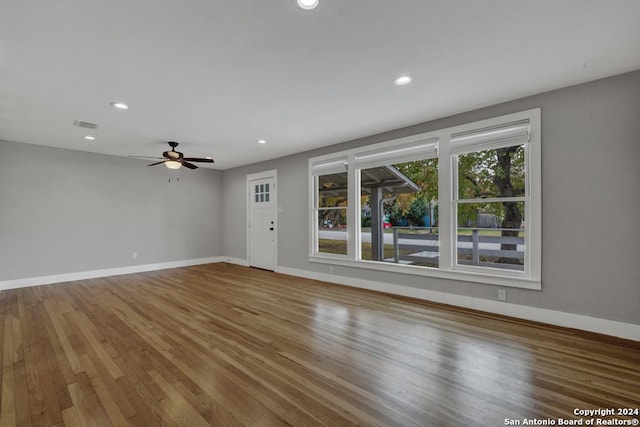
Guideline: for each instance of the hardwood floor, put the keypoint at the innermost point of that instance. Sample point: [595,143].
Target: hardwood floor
[225,345]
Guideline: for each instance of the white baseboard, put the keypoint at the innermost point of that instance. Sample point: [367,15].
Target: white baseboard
[558,318]
[82,275]
[236,261]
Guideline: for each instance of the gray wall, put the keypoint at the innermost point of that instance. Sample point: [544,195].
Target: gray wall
[65,211]
[590,212]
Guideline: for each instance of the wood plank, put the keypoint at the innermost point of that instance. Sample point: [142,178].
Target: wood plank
[54,389]
[8,398]
[80,412]
[176,406]
[72,418]
[85,327]
[106,394]
[32,354]
[62,339]
[11,342]
[23,415]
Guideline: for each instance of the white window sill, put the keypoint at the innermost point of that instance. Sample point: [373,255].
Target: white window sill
[475,277]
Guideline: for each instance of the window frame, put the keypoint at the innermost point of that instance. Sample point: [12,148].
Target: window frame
[405,149]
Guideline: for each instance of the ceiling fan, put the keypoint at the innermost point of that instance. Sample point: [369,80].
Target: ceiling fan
[175,160]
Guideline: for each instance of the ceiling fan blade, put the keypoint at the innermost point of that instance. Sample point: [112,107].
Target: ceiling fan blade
[188,165]
[144,157]
[157,163]
[196,159]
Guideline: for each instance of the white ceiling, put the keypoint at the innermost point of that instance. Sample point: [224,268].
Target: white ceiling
[217,75]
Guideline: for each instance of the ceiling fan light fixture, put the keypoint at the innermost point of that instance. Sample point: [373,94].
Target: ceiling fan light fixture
[172,164]
[308,4]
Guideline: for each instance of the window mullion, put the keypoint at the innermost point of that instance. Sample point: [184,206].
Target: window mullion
[446,172]
[353,210]
[313,191]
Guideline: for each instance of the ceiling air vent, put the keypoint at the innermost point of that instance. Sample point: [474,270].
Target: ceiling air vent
[85,125]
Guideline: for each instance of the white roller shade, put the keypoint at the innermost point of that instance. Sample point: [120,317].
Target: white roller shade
[507,135]
[329,166]
[398,152]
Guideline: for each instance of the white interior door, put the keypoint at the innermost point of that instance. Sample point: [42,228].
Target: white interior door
[262,223]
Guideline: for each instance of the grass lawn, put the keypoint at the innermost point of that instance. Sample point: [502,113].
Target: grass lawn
[485,232]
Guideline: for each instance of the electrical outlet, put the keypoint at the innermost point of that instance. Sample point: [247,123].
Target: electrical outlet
[331,269]
[134,255]
[502,294]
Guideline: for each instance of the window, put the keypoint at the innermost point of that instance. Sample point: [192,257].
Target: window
[261,193]
[461,202]
[330,206]
[490,198]
[398,201]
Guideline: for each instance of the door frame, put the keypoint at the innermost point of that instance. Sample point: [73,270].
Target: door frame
[273,173]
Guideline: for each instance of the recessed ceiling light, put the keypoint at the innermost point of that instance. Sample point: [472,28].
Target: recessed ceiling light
[308,4]
[120,105]
[90,138]
[403,80]
[262,141]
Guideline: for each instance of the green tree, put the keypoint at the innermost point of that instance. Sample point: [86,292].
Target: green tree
[417,211]
[414,205]
[425,174]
